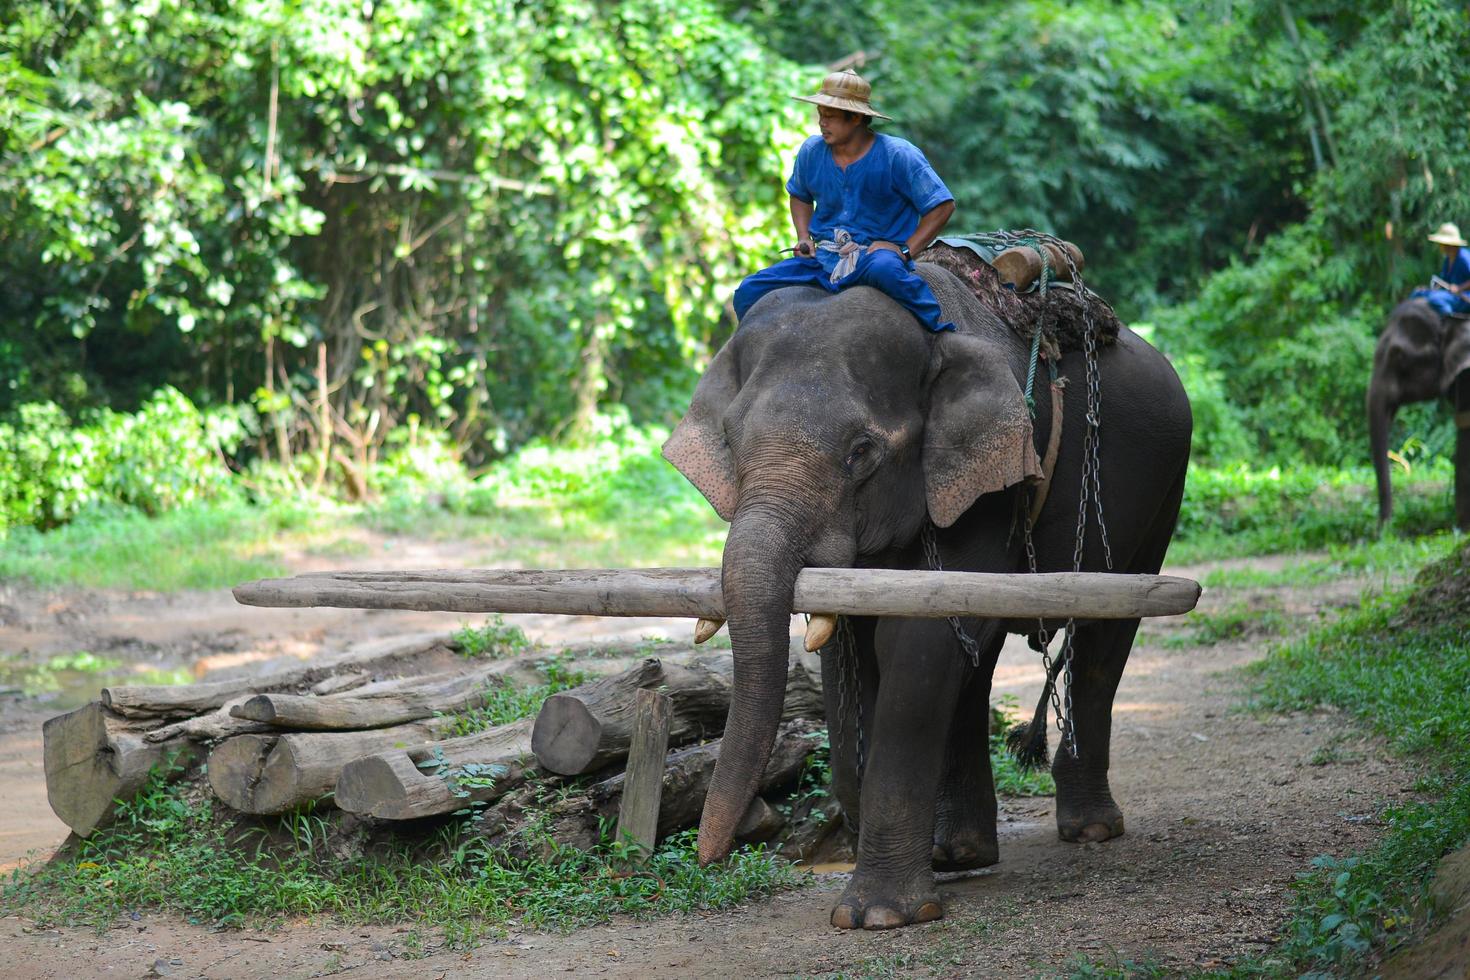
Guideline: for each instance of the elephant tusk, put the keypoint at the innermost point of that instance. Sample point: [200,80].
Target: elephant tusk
[706,628]
[819,629]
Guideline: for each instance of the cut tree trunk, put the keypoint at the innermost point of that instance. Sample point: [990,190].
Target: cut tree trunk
[398,785]
[687,773]
[643,779]
[695,593]
[267,774]
[148,701]
[93,757]
[584,729]
[377,706]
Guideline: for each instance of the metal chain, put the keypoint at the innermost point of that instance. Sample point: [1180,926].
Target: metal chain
[849,687]
[931,555]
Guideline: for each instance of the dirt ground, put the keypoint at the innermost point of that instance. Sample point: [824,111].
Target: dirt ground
[1223,809]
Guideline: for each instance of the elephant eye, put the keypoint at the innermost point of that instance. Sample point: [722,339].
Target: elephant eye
[856,454]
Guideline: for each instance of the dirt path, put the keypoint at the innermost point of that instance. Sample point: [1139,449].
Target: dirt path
[1223,810]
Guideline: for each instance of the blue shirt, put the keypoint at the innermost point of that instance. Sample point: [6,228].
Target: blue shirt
[879,197]
[1456,270]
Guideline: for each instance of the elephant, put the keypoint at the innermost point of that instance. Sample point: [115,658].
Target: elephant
[829,431]
[1420,356]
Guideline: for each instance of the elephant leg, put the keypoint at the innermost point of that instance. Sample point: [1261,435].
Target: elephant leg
[849,692]
[1086,810]
[965,813]
[921,673]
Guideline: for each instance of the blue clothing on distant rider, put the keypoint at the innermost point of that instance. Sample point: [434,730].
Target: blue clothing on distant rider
[1457,272]
[879,197]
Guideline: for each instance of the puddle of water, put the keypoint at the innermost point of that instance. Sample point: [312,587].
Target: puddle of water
[71,680]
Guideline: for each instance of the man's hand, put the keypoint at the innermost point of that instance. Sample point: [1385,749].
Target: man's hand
[805,248]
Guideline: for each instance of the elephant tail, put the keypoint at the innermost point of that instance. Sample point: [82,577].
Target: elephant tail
[1026,742]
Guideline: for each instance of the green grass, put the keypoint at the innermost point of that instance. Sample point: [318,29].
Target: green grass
[1237,511]
[493,640]
[201,546]
[1241,620]
[504,704]
[1402,665]
[171,850]
[1383,560]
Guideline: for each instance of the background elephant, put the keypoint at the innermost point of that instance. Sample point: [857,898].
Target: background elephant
[1420,356]
[829,431]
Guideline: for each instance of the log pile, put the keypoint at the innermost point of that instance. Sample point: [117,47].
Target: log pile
[381,735]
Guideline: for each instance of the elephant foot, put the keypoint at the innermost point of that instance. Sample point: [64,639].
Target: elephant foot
[868,905]
[965,852]
[1086,825]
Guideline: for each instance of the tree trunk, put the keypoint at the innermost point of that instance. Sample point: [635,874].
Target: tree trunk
[144,701]
[687,775]
[397,785]
[696,593]
[93,757]
[375,706]
[267,774]
[582,730]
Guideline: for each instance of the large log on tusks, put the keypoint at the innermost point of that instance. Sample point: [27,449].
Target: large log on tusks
[695,592]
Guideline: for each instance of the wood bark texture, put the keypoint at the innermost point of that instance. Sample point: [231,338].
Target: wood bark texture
[427,779]
[93,756]
[695,593]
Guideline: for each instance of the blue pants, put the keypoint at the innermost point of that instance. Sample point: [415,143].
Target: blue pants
[1444,302]
[882,269]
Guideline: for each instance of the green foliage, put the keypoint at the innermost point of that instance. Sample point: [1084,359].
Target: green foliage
[1241,509]
[1400,664]
[492,641]
[458,199]
[504,704]
[206,545]
[170,850]
[1290,329]
[165,455]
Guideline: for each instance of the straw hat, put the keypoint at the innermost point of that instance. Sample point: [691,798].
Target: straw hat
[846,90]
[1448,234]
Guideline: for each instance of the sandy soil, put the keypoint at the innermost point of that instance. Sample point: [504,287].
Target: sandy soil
[1223,810]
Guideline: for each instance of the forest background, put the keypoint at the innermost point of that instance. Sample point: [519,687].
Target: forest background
[369,249]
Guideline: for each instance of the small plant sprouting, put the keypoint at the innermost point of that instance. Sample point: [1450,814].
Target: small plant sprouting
[493,641]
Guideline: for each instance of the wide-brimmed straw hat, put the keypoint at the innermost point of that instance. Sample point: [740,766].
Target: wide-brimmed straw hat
[846,90]
[1448,234]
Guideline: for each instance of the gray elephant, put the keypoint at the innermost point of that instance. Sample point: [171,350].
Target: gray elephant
[830,431]
[1420,356]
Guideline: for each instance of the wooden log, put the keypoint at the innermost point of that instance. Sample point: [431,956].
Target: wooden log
[695,593]
[269,774]
[1020,265]
[208,727]
[187,701]
[429,779]
[643,779]
[376,706]
[94,756]
[687,773]
[591,726]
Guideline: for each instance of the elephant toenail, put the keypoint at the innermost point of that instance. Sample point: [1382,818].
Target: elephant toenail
[1095,832]
[928,912]
[845,917]
[880,917]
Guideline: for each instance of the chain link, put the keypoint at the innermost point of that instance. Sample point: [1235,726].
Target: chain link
[931,555]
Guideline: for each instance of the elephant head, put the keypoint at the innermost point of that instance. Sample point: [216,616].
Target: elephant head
[826,430]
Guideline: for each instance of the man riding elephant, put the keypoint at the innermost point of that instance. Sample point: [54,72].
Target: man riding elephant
[863,204]
[1448,297]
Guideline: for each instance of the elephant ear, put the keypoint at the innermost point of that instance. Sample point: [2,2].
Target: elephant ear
[977,438]
[697,448]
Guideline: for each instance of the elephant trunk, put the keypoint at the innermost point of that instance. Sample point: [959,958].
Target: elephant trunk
[763,554]
[1381,410]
